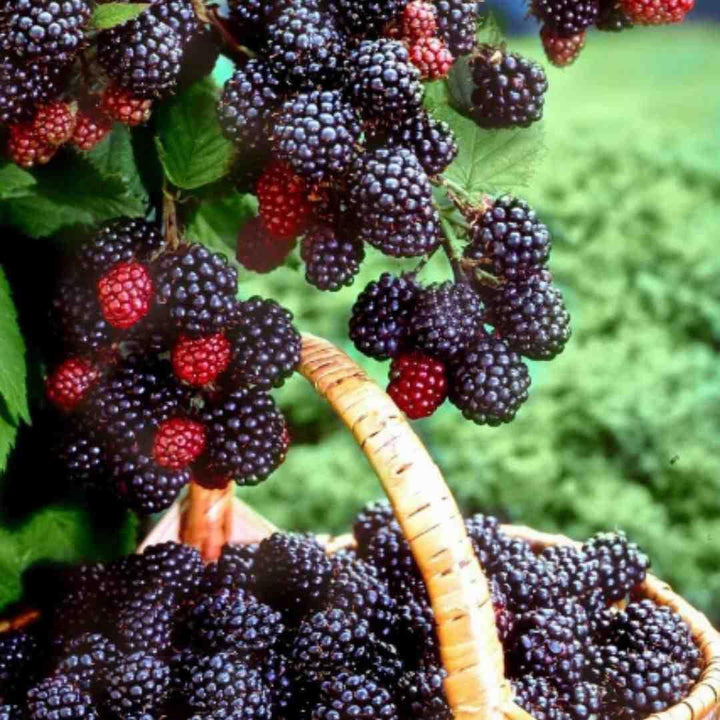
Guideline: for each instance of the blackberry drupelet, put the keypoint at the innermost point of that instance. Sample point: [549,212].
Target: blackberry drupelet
[509,89]
[284,203]
[317,134]
[178,15]
[489,382]
[81,597]
[566,17]
[179,568]
[432,58]
[26,148]
[332,259]
[457,23]
[384,84]
[379,326]
[531,317]
[86,659]
[422,696]
[392,200]
[372,518]
[612,17]
[349,696]
[248,99]
[265,344]
[56,698]
[126,294]
[416,636]
[119,241]
[137,684]
[539,697]
[142,56]
[621,564]
[18,655]
[445,319]
[197,288]
[68,384]
[82,454]
[235,568]
[25,86]
[121,105]
[49,31]
[511,238]
[432,141]
[419,20]
[258,250]
[363,18]
[146,621]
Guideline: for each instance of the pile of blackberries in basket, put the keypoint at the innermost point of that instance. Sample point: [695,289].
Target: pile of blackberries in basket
[159,373]
[282,630]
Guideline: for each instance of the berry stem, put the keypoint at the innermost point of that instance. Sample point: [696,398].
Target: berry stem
[448,239]
[211,16]
[170,223]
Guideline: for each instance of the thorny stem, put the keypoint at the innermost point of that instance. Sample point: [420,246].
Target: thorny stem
[170,223]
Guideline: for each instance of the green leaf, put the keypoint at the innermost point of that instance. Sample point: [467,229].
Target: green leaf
[111,14]
[14,181]
[8,435]
[192,148]
[13,370]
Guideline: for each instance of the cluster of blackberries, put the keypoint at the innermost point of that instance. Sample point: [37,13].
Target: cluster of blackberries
[160,373]
[565,22]
[62,83]
[464,339]
[282,630]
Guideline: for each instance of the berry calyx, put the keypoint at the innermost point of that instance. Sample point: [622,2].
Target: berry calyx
[562,51]
[54,124]
[90,129]
[418,384]
[69,383]
[431,57]
[123,106]
[125,294]
[284,207]
[657,12]
[178,442]
[200,361]
[26,149]
[258,251]
[419,20]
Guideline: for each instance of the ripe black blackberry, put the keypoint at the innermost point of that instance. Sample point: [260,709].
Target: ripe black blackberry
[235,568]
[582,578]
[232,619]
[484,533]
[56,698]
[585,700]
[445,319]
[384,84]
[142,55]
[373,517]
[379,326]
[528,584]
[86,659]
[178,568]
[511,239]
[12,712]
[392,200]
[348,696]
[422,696]
[248,99]
[197,288]
[363,18]
[304,46]
[178,15]
[248,20]
[432,141]
[531,317]
[245,439]
[390,553]
[265,343]
[509,89]
[137,684]
[52,32]
[81,597]
[224,685]
[566,17]
[457,24]
[82,454]
[119,241]
[416,635]
[332,259]
[539,697]
[18,656]
[612,18]
[621,564]
[317,134]
[25,86]
[146,621]
[488,382]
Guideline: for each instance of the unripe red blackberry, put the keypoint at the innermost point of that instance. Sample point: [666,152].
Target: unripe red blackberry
[137,684]
[418,384]
[457,20]
[332,259]
[91,129]
[258,250]
[431,57]
[178,442]
[488,382]
[122,105]
[54,123]
[566,17]
[367,18]
[562,50]
[419,20]
[25,147]
[509,89]
[125,293]
[68,384]
[657,12]
[284,205]
[200,361]
[347,696]
[25,86]
[56,698]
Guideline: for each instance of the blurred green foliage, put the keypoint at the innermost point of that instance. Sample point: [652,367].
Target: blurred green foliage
[623,430]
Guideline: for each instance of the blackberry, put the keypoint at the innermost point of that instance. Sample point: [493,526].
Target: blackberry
[372,518]
[235,568]
[509,90]
[539,697]
[562,51]
[367,17]
[282,683]
[296,572]
[488,382]
[147,621]
[566,17]
[505,617]
[178,15]
[265,344]
[349,696]
[248,19]
[304,46]
[18,656]
[137,684]
[56,698]
[612,17]
[25,86]
[484,533]
[416,634]
[528,584]
[142,56]
[224,682]
[331,263]
[248,99]
[422,696]
[392,200]
[432,141]
[197,288]
[585,700]
[511,239]
[86,659]
[317,134]
[384,83]
[49,31]
[232,619]
[457,23]
[581,573]
[11,712]
[119,241]
[531,317]
[379,326]
[244,437]
[390,553]
[621,564]
[418,384]
[82,454]
[445,318]
[82,597]
[179,568]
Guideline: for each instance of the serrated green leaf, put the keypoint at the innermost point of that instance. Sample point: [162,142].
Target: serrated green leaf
[8,435]
[111,14]
[14,181]
[13,370]
[192,148]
